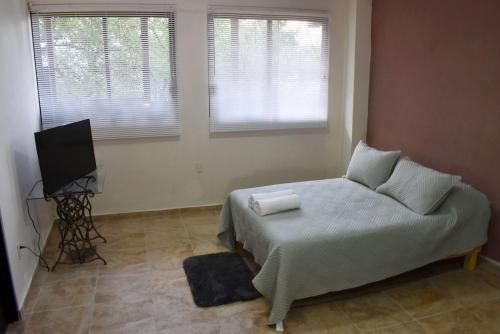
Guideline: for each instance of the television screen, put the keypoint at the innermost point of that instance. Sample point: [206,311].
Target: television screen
[65,153]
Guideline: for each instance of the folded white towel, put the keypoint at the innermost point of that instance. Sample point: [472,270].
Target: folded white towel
[255,197]
[268,206]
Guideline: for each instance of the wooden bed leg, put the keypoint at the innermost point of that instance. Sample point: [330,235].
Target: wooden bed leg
[471,260]
[280,327]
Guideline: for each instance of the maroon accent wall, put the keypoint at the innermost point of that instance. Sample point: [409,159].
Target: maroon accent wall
[435,89]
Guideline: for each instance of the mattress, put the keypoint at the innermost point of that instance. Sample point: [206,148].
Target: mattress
[346,235]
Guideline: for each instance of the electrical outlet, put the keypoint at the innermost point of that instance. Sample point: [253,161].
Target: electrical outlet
[19,251]
[198,167]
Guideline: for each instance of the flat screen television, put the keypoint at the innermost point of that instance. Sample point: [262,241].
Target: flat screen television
[65,153]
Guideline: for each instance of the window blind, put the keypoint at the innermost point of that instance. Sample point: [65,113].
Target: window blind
[267,71]
[116,68]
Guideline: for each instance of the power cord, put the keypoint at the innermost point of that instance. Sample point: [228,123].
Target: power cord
[40,257]
[43,262]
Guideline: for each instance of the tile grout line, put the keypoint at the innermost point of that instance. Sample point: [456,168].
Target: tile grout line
[388,326]
[440,313]
[414,319]
[418,319]
[149,292]
[150,268]
[399,305]
[92,306]
[186,230]
[349,317]
[54,309]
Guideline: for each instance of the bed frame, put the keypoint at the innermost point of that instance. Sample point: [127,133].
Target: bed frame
[470,257]
[470,262]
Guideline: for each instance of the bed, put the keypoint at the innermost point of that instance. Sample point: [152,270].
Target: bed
[347,235]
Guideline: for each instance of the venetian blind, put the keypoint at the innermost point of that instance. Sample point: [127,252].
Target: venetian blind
[116,68]
[267,70]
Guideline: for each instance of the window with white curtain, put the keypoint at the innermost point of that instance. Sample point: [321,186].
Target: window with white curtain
[267,71]
[115,68]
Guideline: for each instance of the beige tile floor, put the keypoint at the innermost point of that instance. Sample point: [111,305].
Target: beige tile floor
[143,290]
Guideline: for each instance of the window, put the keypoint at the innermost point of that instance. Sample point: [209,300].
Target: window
[116,69]
[267,71]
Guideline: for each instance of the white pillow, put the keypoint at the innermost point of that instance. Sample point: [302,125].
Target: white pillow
[421,189]
[371,167]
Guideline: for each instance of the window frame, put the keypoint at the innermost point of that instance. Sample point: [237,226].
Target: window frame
[322,18]
[123,132]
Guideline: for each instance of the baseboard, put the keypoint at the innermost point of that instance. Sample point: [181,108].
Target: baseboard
[159,212]
[490,260]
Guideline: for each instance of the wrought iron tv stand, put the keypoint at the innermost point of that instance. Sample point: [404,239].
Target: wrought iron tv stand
[74,210]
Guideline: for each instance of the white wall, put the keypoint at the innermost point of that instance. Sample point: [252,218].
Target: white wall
[18,120]
[357,76]
[151,174]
